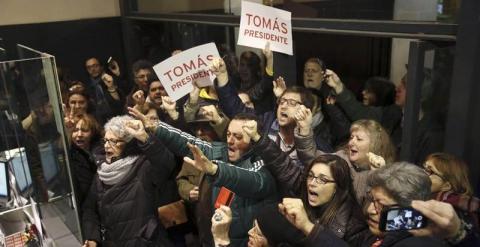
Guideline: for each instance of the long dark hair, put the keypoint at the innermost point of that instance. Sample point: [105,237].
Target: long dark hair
[383,89]
[344,194]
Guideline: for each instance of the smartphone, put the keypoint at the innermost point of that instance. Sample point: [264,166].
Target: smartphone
[225,197]
[401,219]
[109,60]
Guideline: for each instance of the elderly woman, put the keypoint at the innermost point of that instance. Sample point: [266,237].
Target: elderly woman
[396,185]
[120,208]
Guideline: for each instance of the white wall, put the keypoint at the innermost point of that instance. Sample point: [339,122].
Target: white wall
[411,10]
[14,12]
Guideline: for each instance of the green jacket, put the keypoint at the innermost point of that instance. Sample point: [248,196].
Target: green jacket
[251,182]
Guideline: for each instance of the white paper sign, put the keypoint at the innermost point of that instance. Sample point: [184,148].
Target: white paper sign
[260,23]
[179,71]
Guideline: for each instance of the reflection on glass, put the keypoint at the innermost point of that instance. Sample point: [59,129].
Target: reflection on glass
[424,10]
[183,6]
[158,40]
[4,187]
[433,103]
[21,171]
[3,54]
[31,129]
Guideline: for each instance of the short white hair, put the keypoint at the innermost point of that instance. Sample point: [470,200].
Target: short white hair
[117,126]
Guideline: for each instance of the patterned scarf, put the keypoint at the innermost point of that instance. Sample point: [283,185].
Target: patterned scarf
[468,204]
[113,173]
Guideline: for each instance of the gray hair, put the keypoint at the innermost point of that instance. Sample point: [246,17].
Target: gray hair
[403,181]
[117,126]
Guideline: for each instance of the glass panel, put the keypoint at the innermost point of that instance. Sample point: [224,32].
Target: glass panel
[3,54]
[184,6]
[157,40]
[433,101]
[33,142]
[409,10]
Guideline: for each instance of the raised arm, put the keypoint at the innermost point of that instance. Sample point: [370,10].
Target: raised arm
[174,139]
[339,123]
[191,107]
[228,98]
[259,90]
[161,159]
[286,173]
[303,134]
[352,107]
[252,182]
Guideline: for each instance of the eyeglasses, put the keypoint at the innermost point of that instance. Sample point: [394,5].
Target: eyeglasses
[112,142]
[290,102]
[320,180]
[378,206]
[430,172]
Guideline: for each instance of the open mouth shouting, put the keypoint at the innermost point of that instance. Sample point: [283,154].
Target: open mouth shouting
[81,143]
[353,152]
[232,153]
[283,117]
[312,197]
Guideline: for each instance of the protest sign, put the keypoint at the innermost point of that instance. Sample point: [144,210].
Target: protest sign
[260,24]
[179,71]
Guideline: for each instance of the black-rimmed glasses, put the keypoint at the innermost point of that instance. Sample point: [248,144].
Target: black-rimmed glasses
[319,180]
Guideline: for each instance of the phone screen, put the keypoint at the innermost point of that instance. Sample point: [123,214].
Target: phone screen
[398,219]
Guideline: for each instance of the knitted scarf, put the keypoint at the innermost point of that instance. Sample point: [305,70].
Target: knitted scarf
[113,173]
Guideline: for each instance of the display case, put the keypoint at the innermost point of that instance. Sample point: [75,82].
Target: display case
[34,165]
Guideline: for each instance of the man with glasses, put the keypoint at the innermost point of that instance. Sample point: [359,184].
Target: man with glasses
[279,125]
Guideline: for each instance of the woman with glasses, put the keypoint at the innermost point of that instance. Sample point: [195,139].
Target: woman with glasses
[120,209]
[368,142]
[450,184]
[328,200]
[324,186]
[396,185]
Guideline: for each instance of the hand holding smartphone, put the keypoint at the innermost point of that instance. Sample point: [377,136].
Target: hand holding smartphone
[112,65]
[401,219]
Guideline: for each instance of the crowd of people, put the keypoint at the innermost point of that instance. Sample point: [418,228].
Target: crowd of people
[252,161]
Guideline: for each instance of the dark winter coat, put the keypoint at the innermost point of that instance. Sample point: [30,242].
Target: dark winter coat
[320,236]
[125,214]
